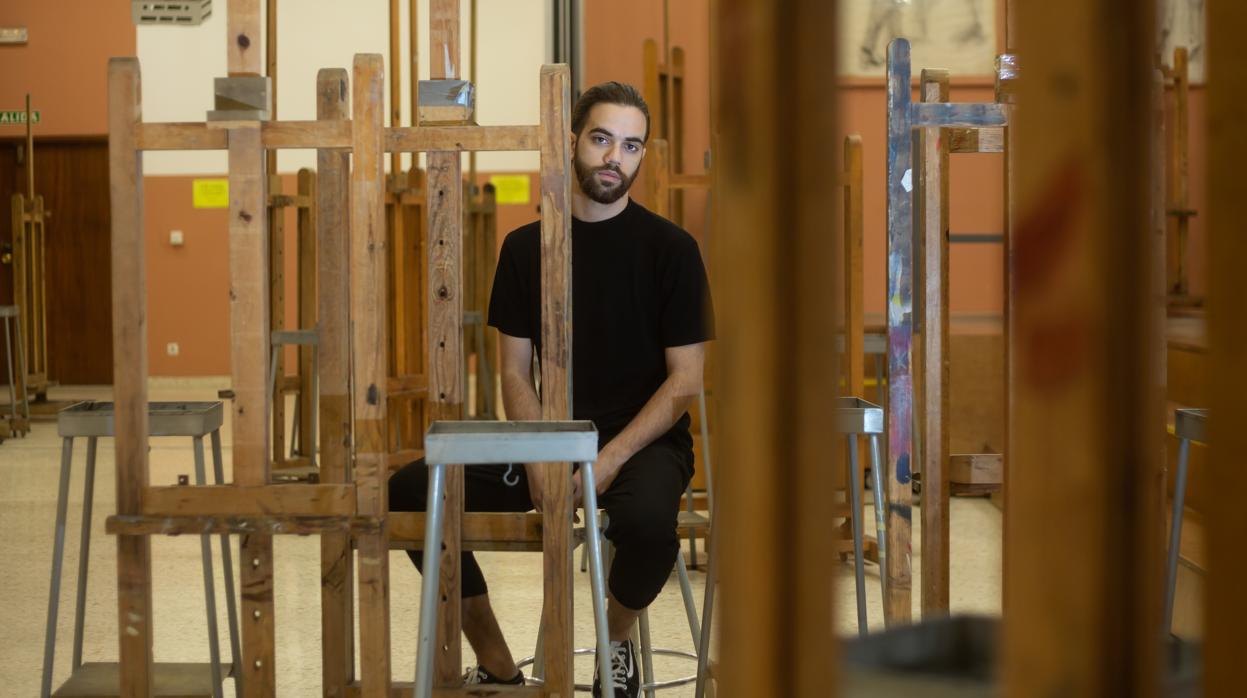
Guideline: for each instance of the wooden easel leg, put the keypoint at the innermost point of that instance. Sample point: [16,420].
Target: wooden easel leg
[134,561]
[333,303]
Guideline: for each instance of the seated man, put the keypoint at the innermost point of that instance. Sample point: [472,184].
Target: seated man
[641,316]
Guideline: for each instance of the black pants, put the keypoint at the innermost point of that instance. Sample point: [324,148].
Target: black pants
[643,504]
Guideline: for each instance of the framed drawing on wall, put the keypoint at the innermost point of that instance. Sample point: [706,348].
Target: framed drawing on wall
[956,35]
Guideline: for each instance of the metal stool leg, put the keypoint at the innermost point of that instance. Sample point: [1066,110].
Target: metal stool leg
[855,518]
[84,551]
[707,609]
[227,565]
[881,526]
[1175,531]
[597,576]
[692,535]
[647,656]
[690,606]
[58,557]
[9,361]
[205,548]
[429,582]
[539,654]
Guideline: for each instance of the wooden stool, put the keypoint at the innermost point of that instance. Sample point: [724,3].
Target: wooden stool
[484,443]
[1189,425]
[93,420]
[16,365]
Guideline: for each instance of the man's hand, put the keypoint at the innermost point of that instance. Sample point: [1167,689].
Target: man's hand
[605,469]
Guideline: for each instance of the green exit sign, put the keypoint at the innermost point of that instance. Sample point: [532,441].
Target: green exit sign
[17,117]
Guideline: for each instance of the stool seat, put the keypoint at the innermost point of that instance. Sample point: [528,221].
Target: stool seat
[94,418]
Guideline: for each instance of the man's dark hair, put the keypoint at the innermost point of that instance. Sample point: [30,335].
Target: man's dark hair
[612,92]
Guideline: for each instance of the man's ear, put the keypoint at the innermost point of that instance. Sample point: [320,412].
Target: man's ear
[571,141]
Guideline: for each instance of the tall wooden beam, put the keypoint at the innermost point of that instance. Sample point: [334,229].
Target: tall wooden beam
[129,303]
[1087,415]
[445,333]
[370,364]
[775,259]
[243,33]
[1225,605]
[900,320]
[401,318]
[1007,76]
[556,369]
[932,201]
[854,302]
[249,341]
[333,304]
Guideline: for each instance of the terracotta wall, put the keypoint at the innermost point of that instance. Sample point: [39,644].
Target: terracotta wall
[64,63]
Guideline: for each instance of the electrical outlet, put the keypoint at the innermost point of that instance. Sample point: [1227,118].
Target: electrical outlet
[176,238]
[172,349]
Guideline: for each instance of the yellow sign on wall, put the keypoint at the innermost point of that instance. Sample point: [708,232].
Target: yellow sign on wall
[510,189]
[210,193]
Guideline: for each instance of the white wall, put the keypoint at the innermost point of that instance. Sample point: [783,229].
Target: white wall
[179,63]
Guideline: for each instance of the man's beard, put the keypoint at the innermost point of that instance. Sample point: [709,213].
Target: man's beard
[595,190]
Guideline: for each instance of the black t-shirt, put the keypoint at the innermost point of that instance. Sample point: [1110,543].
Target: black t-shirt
[638,286]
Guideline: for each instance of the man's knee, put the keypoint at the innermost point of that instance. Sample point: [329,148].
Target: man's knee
[647,526]
[409,487]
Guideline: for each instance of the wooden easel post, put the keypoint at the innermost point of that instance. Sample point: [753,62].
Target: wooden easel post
[1087,417]
[932,198]
[776,634]
[445,283]
[1225,605]
[134,552]
[368,300]
[333,312]
[556,365]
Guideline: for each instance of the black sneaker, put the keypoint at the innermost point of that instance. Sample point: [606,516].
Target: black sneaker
[625,682]
[479,674]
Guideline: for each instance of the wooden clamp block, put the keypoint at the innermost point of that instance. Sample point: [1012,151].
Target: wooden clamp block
[1006,78]
[242,98]
[975,473]
[445,102]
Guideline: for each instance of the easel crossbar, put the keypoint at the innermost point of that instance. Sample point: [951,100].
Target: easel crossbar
[336,134]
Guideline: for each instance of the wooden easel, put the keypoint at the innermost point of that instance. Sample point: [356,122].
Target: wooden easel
[30,287]
[348,502]
[907,254]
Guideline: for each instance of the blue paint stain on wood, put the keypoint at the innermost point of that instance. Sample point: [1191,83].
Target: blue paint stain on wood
[902,510]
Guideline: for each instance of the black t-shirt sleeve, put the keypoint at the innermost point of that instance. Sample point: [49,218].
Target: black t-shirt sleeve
[687,312]
[509,301]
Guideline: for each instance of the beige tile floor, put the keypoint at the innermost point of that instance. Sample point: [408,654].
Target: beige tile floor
[28,484]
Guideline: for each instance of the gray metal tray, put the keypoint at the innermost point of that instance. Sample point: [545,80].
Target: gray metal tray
[480,442]
[856,416]
[1189,424]
[93,418]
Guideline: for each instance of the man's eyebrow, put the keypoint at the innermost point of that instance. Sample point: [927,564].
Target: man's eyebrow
[608,134]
